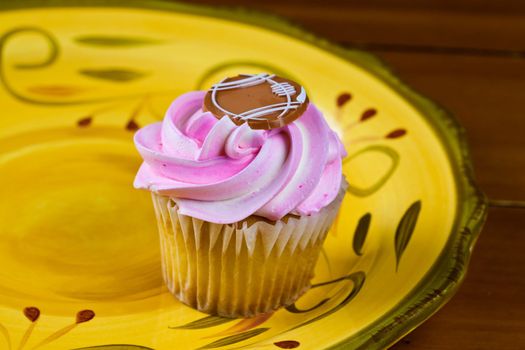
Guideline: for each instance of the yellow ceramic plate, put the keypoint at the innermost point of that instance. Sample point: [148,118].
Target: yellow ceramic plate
[79,256]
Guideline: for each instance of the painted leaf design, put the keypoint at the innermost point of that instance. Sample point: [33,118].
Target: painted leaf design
[84,316]
[209,321]
[233,339]
[243,325]
[395,134]
[287,344]
[115,347]
[32,313]
[405,229]
[390,153]
[113,74]
[367,114]
[56,90]
[360,233]
[85,121]
[132,126]
[114,41]
[343,99]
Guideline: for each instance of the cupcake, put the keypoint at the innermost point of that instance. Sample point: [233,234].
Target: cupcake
[246,181]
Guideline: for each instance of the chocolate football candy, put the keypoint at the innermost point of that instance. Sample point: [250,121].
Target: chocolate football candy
[264,101]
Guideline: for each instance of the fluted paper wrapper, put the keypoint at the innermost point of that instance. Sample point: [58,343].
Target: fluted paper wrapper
[242,269]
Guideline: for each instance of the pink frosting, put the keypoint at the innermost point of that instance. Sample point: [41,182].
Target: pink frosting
[220,172]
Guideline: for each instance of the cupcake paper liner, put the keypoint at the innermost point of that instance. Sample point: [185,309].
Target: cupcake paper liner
[241,269]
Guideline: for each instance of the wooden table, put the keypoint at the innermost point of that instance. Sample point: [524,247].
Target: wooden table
[468,55]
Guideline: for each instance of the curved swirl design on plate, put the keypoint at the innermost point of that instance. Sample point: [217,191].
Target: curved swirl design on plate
[51,58]
[61,91]
[386,150]
[358,280]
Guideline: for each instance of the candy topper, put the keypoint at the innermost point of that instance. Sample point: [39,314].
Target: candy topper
[264,101]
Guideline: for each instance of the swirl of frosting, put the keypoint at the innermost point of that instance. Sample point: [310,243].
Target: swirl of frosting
[223,173]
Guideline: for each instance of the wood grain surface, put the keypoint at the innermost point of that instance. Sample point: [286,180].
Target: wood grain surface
[469,56]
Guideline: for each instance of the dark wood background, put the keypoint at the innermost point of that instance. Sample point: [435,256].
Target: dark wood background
[469,55]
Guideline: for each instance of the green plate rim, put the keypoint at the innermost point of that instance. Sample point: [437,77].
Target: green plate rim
[441,282]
